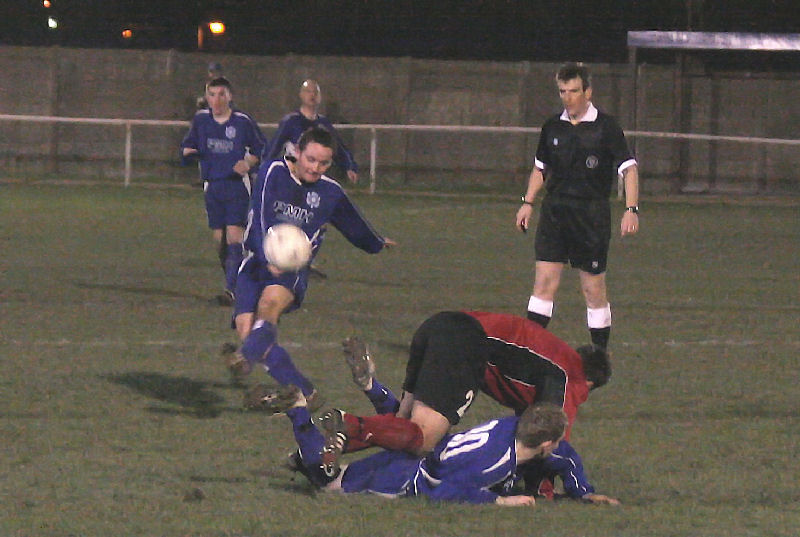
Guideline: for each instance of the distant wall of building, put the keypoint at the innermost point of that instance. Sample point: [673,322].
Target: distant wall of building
[165,84]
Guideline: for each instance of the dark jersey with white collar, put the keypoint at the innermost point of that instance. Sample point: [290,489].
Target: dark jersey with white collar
[582,161]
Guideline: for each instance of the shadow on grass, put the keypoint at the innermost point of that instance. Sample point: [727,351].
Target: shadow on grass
[281,478]
[193,397]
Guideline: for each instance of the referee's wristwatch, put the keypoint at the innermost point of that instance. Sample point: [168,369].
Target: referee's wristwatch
[633,209]
[526,202]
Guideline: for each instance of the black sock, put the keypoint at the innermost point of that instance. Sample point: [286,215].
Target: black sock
[600,336]
[538,318]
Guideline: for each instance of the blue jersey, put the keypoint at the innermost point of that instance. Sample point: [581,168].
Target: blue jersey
[221,145]
[462,467]
[278,197]
[565,463]
[293,125]
[475,466]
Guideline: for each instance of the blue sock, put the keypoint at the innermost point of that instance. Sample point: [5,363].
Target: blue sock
[308,438]
[382,398]
[261,347]
[233,259]
[259,341]
[282,369]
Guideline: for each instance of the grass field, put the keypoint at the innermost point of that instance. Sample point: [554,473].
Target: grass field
[117,417]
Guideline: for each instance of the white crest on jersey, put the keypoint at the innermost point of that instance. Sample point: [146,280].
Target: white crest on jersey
[230,131]
[313,199]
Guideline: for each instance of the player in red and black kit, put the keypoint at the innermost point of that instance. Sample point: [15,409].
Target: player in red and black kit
[454,355]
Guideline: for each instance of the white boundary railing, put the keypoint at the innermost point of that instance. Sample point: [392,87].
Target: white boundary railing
[373,128]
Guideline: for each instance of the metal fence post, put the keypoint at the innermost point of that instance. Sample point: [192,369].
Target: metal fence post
[128,143]
[373,156]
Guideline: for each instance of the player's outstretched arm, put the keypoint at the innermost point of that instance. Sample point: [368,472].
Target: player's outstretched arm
[513,501]
[600,499]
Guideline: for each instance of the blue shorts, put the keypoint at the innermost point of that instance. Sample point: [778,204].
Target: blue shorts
[386,472]
[254,278]
[227,202]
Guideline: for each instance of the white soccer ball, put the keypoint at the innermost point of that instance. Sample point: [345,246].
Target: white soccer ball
[287,247]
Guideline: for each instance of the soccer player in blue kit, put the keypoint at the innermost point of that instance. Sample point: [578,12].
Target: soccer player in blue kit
[294,124]
[296,192]
[475,466]
[319,458]
[228,143]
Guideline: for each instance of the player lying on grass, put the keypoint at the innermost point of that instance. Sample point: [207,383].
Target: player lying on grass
[452,356]
[539,477]
[455,354]
[476,466]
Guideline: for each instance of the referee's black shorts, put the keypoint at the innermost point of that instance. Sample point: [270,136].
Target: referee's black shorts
[446,362]
[575,231]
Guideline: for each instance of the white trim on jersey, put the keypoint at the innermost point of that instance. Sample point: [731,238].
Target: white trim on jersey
[625,165]
[500,462]
[542,356]
[589,116]
[571,473]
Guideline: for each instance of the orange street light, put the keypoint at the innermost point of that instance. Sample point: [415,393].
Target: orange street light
[216,27]
[127,33]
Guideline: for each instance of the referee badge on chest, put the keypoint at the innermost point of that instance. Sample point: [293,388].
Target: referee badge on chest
[230,132]
[592,162]
[312,199]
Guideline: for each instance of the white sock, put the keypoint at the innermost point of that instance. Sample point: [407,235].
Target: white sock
[599,317]
[542,307]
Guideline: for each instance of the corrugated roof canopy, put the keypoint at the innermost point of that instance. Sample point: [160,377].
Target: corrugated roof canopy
[715,40]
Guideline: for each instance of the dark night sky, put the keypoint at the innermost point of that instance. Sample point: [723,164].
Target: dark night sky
[535,30]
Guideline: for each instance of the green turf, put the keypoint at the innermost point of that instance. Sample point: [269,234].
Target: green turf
[117,417]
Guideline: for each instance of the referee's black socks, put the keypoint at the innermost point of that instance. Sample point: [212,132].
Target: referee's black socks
[540,311]
[599,321]
[600,336]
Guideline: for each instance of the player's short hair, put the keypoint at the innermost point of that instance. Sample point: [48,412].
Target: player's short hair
[219,82]
[317,134]
[573,70]
[596,364]
[544,422]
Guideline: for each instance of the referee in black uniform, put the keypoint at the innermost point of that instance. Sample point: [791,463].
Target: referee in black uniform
[580,153]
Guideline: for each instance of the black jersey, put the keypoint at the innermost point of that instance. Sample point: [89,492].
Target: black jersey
[582,160]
